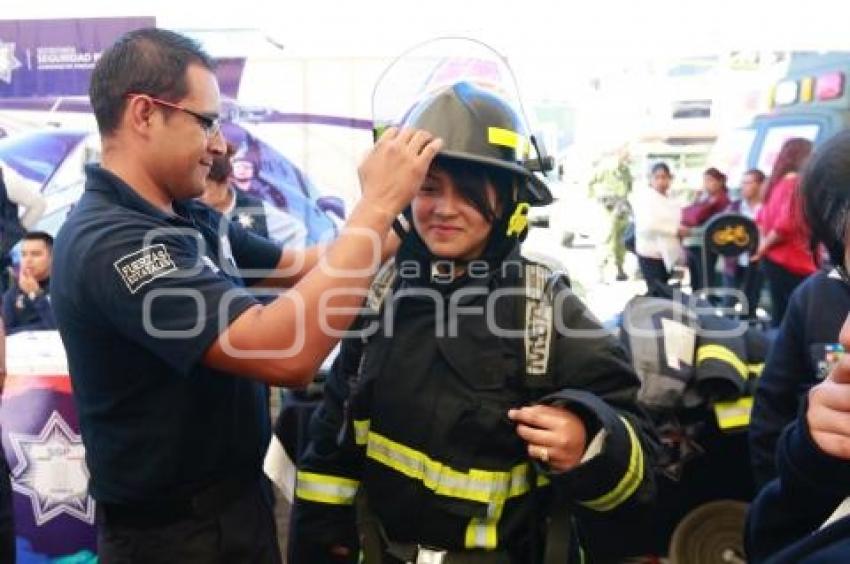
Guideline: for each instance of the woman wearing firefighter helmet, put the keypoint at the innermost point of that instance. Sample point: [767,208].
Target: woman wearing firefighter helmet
[466,422]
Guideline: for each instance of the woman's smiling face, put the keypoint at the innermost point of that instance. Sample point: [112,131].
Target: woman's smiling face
[449,224]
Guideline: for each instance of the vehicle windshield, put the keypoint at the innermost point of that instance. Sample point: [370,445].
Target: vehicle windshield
[776,136]
[37,155]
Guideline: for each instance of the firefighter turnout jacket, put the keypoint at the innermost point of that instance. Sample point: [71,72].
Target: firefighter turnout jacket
[415,416]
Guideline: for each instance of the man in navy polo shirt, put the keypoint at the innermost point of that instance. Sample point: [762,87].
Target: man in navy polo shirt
[169,352]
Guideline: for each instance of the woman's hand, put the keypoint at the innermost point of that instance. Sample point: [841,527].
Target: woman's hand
[555,436]
[767,241]
[755,257]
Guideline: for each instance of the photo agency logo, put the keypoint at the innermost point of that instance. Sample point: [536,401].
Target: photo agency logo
[550,305]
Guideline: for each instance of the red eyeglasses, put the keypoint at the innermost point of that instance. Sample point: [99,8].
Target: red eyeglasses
[209,123]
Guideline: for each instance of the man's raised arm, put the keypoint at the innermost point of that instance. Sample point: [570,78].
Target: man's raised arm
[285,342]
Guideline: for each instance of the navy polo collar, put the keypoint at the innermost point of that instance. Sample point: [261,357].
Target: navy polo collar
[98,179]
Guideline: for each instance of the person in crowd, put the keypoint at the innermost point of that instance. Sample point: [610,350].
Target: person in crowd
[620,214]
[712,200]
[449,439]
[246,179]
[253,214]
[783,250]
[26,305]
[16,192]
[656,217]
[169,352]
[808,337]
[269,222]
[741,273]
[804,514]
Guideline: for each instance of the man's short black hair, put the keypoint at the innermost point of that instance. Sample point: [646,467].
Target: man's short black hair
[757,174]
[660,167]
[144,61]
[39,236]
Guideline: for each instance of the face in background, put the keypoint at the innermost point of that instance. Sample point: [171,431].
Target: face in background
[711,184]
[750,187]
[243,172]
[449,224]
[660,181]
[36,258]
[183,147]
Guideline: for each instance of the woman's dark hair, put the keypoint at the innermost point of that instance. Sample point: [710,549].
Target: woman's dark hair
[222,167]
[716,174]
[471,179]
[660,167]
[144,61]
[792,156]
[825,191]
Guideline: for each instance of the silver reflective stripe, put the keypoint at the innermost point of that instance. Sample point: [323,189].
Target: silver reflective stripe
[380,286]
[323,488]
[483,486]
[631,480]
[538,320]
[483,533]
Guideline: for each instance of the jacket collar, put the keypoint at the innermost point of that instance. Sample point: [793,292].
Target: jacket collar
[116,190]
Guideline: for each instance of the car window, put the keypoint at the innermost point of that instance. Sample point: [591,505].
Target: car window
[36,155]
[777,135]
[69,173]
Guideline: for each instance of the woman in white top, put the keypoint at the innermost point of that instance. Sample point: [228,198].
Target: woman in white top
[657,218]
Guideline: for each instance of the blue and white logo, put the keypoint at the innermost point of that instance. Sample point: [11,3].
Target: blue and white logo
[52,472]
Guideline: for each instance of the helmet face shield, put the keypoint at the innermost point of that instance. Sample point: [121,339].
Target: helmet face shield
[470,101]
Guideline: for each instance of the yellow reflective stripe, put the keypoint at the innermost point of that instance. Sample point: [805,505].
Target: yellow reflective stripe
[630,481]
[483,532]
[483,486]
[361,431]
[755,369]
[732,414]
[721,353]
[324,488]
[508,138]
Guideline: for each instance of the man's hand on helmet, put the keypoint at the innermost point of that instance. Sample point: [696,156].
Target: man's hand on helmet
[395,168]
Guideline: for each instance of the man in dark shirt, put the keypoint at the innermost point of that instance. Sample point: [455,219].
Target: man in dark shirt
[26,305]
[169,352]
[251,213]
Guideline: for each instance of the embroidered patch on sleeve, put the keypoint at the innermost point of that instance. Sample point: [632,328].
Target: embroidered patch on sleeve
[144,265]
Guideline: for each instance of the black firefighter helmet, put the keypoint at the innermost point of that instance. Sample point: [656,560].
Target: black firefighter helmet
[477,125]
